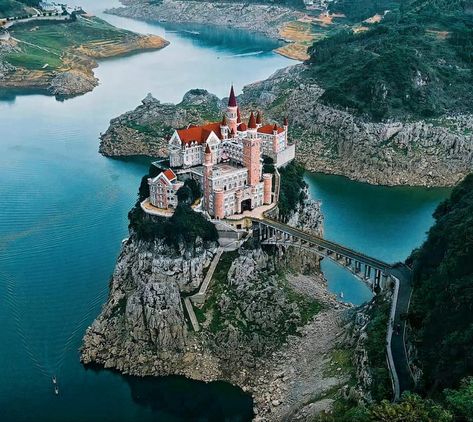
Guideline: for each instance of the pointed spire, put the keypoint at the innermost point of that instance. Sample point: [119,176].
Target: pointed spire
[275,128]
[238,115]
[252,122]
[232,102]
[258,118]
[224,121]
[233,132]
[285,123]
[207,149]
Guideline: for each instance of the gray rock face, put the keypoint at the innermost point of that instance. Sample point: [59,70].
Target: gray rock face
[143,325]
[72,83]
[254,17]
[423,153]
[428,153]
[144,131]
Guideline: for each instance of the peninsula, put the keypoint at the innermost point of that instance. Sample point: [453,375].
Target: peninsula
[220,277]
[56,51]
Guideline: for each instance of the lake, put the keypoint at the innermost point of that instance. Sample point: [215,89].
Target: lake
[64,213]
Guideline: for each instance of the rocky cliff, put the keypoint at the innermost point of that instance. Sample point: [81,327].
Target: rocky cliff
[267,331]
[145,130]
[264,18]
[438,152]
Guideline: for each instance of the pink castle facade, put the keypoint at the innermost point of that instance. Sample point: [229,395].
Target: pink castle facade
[226,159]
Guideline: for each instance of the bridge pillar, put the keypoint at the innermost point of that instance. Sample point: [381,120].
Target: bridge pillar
[367,271]
[377,277]
[338,257]
[347,261]
[384,281]
[357,266]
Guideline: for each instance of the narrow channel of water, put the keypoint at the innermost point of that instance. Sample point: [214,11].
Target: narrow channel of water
[384,222]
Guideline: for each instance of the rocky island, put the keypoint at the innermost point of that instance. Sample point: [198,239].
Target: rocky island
[58,57]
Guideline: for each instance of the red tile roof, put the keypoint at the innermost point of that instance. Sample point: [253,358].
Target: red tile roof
[258,118]
[199,134]
[170,174]
[242,127]
[269,129]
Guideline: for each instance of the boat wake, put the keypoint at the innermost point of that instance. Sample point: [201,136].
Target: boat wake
[253,53]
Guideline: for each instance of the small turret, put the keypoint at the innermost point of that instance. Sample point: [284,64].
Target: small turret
[238,116]
[208,156]
[252,121]
[258,120]
[275,129]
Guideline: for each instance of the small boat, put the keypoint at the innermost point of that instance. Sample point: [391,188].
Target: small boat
[54,379]
[341,295]
[56,390]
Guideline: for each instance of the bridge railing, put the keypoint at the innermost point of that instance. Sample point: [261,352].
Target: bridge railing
[324,242]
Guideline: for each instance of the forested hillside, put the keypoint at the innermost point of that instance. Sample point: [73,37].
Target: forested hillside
[416,62]
[442,304]
[16,7]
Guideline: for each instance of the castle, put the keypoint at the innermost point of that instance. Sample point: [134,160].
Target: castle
[225,158]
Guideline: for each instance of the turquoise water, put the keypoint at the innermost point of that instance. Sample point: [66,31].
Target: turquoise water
[384,222]
[63,215]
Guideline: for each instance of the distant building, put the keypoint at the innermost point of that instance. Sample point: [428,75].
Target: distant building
[226,159]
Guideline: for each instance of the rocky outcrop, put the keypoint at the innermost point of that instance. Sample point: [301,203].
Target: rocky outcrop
[72,82]
[427,153]
[264,18]
[142,329]
[421,153]
[265,331]
[145,130]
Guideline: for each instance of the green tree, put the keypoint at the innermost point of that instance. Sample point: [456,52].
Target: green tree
[461,401]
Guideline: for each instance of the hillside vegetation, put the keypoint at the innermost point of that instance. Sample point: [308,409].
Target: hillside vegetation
[442,304]
[442,320]
[16,7]
[416,62]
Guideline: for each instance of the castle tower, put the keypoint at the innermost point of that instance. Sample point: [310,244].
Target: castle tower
[219,200]
[275,139]
[232,111]
[267,188]
[208,163]
[252,153]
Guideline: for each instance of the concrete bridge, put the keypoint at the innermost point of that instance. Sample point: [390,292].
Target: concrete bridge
[371,270]
[376,273]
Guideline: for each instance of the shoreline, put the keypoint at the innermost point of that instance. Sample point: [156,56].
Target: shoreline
[268,20]
[75,76]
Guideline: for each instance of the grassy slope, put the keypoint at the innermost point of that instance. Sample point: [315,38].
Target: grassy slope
[415,63]
[46,43]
